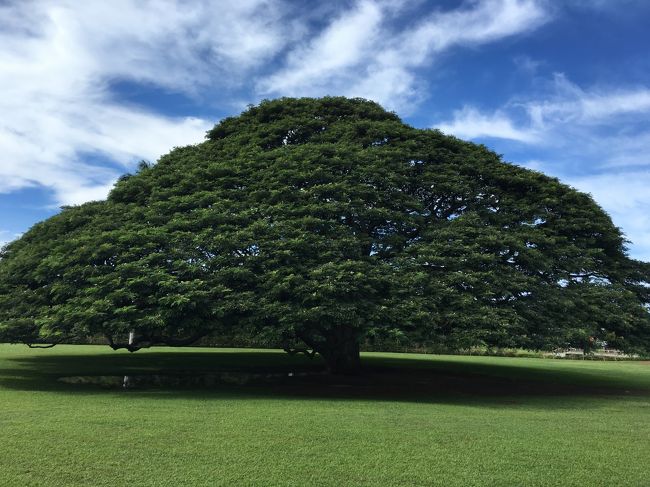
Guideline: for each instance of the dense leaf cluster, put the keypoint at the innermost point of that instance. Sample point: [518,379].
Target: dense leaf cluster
[328,220]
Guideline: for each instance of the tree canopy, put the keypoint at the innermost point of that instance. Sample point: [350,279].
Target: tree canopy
[326,221]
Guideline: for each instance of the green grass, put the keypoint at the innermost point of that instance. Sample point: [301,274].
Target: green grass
[409,420]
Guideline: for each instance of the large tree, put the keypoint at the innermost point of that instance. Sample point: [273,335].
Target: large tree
[328,220]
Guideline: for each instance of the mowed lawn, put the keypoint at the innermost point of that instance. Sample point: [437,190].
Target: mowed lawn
[408,420]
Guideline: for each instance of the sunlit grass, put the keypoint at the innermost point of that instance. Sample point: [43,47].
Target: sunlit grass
[409,420]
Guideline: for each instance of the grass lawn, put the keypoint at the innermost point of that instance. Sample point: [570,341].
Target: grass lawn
[409,420]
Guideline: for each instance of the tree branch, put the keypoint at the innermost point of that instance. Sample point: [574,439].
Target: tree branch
[32,345]
[146,341]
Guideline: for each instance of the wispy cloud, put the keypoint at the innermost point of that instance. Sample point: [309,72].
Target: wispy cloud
[625,197]
[596,139]
[612,124]
[471,123]
[6,237]
[359,54]
[571,104]
[57,62]
[343,45]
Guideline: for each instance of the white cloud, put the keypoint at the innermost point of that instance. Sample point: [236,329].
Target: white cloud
[55,149]
[571,104]
[344,44]
[598,140]
[57,61]
[567,108]
[625,197]
[359,55]
[477,23]
[6,236]
[470,123]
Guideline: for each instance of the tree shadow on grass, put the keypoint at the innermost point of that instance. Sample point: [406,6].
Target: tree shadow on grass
[200,374]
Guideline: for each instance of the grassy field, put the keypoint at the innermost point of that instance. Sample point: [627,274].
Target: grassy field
[409,420]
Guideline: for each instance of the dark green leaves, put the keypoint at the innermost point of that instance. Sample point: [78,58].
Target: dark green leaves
[328,220]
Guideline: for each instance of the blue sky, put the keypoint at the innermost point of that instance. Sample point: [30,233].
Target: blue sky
[87,89]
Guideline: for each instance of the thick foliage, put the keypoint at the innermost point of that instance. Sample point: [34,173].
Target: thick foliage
[327,220]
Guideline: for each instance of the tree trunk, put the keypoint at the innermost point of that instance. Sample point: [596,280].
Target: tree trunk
[339,347]
[341,352]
